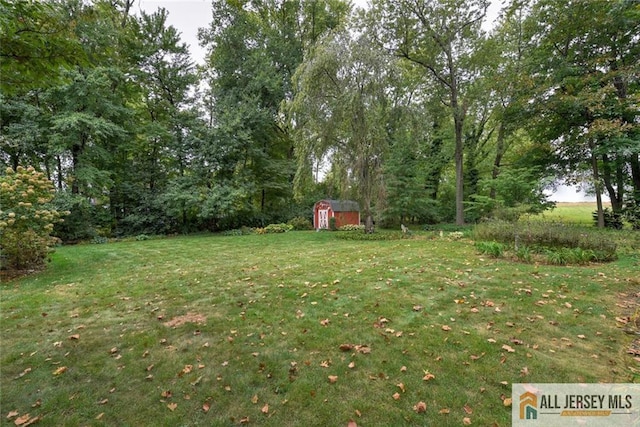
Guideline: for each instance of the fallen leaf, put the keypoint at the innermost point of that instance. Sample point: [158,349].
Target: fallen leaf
[508,348]
[333,378]
[466,421]
[12,414]
[467,409]
[352,423]
[114,350]
[172,406]
[265,409]
[396,396]
[99,416]
[346,347]
[206,406]
[507,401]
[420,407]
[444,411]
[358,413]
[254,399]
[166,394]
[74,337]
[103,402]
[428,376]
[581,336]
[352,365]
[244,420]
[446,328]
[417,307]
[60,370]
[324,322]
[403,369]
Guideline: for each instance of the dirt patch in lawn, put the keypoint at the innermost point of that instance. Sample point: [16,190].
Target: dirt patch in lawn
[629,302]
[186,318]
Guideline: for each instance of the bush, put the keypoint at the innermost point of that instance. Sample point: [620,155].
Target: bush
[277,228]
[380,235]
[26,218]
[300,223]
[332,224]
[351,227]
[611,219]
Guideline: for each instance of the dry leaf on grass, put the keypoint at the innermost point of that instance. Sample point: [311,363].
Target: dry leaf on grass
[420,407]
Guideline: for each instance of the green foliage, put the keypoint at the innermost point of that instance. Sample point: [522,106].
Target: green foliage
[541,236]
[278,228]
[351,227]
[631,211]
[611,219]
[300,223]
[378,235]
[332,224]
[524,253]
[493,249]
[26,218]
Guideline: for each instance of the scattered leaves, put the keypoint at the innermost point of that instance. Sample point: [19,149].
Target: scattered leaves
[396,396]
[466,421]
[446,327]
[508,348]
[60,370]
[172,406]
[265,409]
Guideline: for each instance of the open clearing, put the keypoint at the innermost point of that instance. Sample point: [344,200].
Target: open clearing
[303,329]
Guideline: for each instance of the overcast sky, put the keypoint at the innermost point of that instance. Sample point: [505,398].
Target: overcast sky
[189,15]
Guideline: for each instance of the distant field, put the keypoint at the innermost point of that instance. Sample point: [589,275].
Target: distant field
[579,213]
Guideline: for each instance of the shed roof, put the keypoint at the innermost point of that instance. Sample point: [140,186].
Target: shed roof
[343,205]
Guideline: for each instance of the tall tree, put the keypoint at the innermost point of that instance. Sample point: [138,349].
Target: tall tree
[343,104]
[586,77]
[438,36]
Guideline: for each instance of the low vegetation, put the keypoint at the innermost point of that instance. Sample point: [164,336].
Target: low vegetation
[303,328]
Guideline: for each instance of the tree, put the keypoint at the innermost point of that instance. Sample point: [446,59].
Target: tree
[439,37]
[35,43]
[254,49]
[585,66]
[343,109]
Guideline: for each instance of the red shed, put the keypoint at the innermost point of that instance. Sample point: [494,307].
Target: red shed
[344,211]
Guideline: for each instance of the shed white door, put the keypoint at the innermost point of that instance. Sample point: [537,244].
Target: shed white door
[323,218]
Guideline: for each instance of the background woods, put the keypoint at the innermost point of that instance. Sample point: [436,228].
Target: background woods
[410,108]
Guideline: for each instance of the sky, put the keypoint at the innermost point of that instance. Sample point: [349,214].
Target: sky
[189,15]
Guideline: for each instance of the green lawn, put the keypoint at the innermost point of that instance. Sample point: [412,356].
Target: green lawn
[215,330]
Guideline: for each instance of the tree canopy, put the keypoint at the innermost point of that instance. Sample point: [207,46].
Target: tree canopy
[409,107]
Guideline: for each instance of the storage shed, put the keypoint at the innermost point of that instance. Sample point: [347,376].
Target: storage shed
[344,211]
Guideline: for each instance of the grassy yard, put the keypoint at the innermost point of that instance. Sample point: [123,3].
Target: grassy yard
[302,329]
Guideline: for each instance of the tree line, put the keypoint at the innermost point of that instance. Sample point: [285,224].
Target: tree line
[408,107]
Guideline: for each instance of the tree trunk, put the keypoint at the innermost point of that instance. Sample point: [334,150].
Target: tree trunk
[596,182]
[458,122]
[615,195]
[634,160]
[498,159]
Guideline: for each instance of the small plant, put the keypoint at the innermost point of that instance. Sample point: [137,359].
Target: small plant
[141,237]
[556,257]
[523,253]
[100,240]
[332,224]
[493,249]
[456,235]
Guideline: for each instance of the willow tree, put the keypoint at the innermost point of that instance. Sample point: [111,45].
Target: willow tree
[341,109]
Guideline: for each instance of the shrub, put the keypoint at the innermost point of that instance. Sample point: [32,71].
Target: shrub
[278,228]
[631,212]
[611,219]
[523,253]
[300,223]
[380,235]
[332,224]
[352,227]
[26,218]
